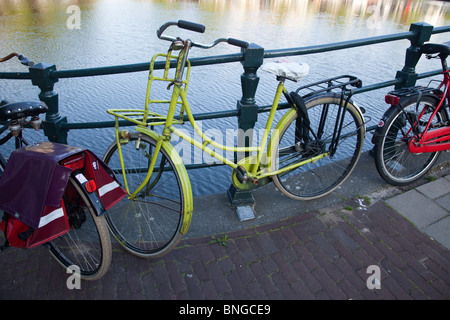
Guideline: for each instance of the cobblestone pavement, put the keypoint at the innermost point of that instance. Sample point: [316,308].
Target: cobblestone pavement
[330,253]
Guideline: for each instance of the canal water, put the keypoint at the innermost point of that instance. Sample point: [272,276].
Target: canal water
[74,34]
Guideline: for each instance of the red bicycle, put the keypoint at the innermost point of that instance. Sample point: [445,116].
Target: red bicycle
[416,128]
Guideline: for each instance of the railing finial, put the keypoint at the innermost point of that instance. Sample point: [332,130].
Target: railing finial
[408,76]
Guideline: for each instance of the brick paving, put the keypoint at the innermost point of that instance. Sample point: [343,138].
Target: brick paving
[316,255]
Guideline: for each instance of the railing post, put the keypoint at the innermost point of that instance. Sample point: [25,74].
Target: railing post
[248,115]
[40,76]
[408,75]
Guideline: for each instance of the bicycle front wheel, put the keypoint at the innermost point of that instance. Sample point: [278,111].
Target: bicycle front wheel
[394,162]
[322,175]
[87,245]
[150,224]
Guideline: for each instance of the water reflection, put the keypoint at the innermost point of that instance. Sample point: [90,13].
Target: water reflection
[290,20]
[47,12]
[116,32]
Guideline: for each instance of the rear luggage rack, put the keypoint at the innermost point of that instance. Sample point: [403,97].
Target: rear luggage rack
[339,82]
[407,92]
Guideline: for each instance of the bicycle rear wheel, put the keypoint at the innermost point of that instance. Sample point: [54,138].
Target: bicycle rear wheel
[87,245]
[150,225]
[393,161]
[322,176]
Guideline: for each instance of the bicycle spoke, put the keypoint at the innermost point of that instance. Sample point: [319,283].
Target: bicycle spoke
[87,244]
[321,176]
[393,160]
[149,224]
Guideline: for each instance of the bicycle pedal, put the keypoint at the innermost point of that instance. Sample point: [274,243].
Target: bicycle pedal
[241,174]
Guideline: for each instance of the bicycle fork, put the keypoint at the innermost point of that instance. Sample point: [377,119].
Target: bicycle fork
[151,155]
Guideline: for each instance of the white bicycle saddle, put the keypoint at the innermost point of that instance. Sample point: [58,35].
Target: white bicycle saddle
[290,70]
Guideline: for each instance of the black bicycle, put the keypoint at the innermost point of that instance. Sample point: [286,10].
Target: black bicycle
[86,242]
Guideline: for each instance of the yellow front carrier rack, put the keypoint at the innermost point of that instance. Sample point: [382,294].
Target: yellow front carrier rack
[145,117]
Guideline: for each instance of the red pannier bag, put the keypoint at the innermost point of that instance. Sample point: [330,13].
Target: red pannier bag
[31,194]
[108,189]
[53,224]
[36,214]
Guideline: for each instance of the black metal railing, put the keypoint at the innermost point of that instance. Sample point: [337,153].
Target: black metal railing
[56,128]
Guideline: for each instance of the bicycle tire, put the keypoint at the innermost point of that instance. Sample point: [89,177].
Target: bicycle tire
[87,245]
[395,164]
[321,177]
[150,225]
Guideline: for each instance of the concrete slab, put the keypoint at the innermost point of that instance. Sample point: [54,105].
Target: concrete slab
[435,189]
[245,213]
[439,231]
[444,202]
[417,208]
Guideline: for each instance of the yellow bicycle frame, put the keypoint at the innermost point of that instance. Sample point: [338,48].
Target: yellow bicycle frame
[145,118]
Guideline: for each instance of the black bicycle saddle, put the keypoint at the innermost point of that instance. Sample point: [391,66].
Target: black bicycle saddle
[432,48]
[15,110]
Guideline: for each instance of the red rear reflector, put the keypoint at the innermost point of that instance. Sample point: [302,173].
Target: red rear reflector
[390,99]
[75,162]
[90,186]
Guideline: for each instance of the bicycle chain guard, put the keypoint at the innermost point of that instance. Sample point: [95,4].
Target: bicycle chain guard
[239,176]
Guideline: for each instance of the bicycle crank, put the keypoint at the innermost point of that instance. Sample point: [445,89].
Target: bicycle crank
[241,178]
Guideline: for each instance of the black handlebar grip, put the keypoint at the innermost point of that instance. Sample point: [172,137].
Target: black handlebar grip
[191,26]
[25,61]
[238,43]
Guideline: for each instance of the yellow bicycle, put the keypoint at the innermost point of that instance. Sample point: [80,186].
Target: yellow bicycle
[311,150]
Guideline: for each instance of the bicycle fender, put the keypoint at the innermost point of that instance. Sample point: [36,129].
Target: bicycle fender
[377,133]
[184,177]
[93,196]
[394,108]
